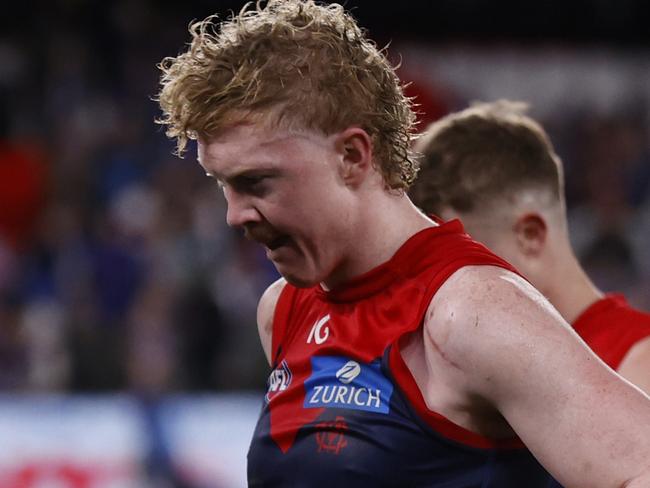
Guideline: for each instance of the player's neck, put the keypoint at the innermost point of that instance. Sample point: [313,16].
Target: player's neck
[384,227]
[572,292]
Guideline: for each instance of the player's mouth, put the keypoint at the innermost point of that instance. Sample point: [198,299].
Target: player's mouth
[267,237]
[277,242]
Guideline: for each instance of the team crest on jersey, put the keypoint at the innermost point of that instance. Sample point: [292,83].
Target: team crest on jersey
[330,436]
[278,381]
[338,382]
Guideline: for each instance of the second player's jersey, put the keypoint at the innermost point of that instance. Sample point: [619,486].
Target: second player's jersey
[342,408]
[611,328]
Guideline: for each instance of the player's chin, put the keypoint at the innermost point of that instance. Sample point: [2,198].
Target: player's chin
[298,276]
[296,279]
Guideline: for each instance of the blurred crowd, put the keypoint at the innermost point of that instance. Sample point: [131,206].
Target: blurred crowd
[116,268]
[117,271]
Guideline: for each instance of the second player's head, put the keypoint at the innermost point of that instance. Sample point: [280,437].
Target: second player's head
[495,168]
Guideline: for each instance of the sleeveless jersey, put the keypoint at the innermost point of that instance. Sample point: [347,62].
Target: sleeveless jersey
[342,408]
[611,327]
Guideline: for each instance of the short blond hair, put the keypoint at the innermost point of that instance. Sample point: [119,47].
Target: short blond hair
[474,157]
[309,65]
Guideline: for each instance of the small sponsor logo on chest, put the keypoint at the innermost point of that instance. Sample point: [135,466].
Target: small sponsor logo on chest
[338,382]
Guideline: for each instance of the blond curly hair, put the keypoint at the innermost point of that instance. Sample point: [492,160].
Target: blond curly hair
[299,63]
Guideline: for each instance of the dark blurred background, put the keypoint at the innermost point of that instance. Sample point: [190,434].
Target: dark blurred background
[117,272]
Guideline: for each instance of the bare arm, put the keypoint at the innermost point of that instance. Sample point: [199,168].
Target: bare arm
[636,365]
[512,349]
[265,313]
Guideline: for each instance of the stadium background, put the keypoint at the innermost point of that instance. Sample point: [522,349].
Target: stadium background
[128,351]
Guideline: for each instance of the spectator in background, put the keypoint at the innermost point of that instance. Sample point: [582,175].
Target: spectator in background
[608,181]
[23,186]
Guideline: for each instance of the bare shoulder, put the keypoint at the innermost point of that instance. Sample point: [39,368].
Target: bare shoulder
[265,313]
[480,306]
[268,300]
[489,324]
[488,287]
[640,350]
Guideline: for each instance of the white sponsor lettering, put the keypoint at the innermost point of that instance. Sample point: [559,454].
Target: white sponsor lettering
[317,333]
[357,395]
[340,394]
[328,394]
[344,395]
[314,398]
[376,398]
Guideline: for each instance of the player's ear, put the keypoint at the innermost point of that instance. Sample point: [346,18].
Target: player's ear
[355,148]
[531,232]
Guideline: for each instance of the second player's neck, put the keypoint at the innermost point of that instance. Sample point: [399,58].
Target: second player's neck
[573,292]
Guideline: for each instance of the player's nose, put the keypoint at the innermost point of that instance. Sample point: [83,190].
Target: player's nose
[240,210]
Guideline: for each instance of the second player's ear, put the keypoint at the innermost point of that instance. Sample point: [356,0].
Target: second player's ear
[355,147]
[531,232]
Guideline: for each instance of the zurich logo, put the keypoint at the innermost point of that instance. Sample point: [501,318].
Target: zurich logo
[348,372]
[339,382]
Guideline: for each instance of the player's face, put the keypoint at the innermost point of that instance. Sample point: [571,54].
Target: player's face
[283,188]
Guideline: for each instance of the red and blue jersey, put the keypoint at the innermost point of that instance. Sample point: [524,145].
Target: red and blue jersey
[342,408]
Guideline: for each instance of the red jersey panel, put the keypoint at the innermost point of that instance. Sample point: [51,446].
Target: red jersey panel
[611,328]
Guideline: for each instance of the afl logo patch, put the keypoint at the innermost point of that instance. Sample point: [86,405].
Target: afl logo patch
[278,381]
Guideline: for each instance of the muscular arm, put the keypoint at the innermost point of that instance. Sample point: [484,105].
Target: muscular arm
[636,365]
[511,349]
[265,313]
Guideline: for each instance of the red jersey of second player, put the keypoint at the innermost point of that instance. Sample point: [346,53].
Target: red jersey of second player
[611,328]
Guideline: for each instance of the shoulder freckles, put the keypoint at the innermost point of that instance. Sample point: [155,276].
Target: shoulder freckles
[486,287]
[477,304]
